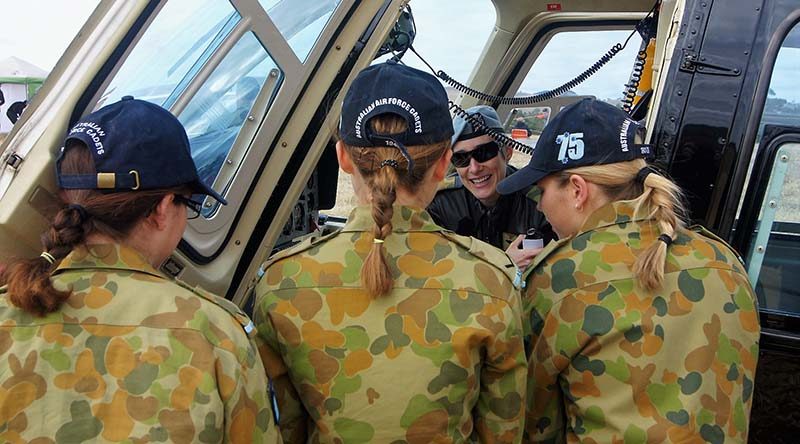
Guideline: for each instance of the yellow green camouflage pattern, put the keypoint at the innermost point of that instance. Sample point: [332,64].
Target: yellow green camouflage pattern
[130,357]
[613,363]
[439,359]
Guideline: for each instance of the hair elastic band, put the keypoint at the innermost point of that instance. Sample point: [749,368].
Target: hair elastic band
[641,176]
[377,241]
[48,257]
[666,239]
[391,162]
[82,213]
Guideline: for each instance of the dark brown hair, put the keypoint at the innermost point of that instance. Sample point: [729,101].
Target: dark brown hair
[383,182]
[111,214]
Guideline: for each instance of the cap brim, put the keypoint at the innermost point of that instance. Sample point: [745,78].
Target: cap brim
[201,188]
[523,178]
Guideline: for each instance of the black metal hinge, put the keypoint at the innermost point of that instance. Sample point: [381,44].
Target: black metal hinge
[707,64]
[13,160]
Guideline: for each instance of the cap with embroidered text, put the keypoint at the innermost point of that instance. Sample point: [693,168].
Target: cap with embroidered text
[136,145]
[414,95]
[589,132]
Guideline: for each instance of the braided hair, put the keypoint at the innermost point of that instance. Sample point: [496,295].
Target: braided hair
[86,212]
[384,170]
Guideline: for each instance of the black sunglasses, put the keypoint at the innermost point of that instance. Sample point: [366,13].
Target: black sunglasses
[481,154]
[193,207]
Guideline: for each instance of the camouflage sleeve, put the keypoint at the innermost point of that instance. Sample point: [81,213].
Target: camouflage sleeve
[243,388]
[500,408]
[554,343]
[292,415]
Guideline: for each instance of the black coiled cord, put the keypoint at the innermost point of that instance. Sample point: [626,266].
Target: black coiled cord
[536,98]
[633,84]
[495,134]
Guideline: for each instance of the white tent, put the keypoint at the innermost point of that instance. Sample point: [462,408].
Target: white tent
[19,81]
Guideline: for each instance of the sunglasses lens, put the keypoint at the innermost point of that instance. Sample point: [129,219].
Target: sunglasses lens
[461,159]
[481,154]
[485,152]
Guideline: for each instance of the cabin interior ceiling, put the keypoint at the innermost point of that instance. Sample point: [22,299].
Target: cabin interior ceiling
[512,15]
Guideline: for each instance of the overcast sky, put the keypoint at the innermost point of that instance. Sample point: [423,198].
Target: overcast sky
[39,31]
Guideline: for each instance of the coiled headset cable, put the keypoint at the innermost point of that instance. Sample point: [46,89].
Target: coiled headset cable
[499,136]
[636,77]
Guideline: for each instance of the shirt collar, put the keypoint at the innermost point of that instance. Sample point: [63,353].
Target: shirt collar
[404,219]
[617,213]
[106,256]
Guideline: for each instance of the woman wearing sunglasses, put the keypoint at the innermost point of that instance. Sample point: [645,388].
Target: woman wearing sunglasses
[468,202]
[95,343]
[393,329]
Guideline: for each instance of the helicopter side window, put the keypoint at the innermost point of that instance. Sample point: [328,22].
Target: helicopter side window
[300,21]
[773,264]
[566,54]
[201,63]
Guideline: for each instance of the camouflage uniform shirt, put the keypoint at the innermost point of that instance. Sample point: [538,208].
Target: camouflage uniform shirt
[130,356]
[438,359]
[614,363]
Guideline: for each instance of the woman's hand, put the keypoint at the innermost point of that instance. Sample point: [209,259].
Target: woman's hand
[521,256]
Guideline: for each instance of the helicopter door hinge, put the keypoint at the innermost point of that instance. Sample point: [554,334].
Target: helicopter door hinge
[14,160]
[708,65]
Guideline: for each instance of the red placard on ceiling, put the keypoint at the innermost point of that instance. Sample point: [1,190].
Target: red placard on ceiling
[554,6]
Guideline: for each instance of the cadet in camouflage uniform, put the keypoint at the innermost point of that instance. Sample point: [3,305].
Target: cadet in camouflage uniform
[643,330]
[394,330]
[95,343]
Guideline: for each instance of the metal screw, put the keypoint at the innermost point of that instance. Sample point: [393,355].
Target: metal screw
[251,118]
[760,249]
[338,47]
[784,158]
[694,31]
[273,73]
[697,17]
[773,204]
[680,93]
[736,70]
[690,46]
[735,95]
[747,53]
[671,118]
[700,68]
[229,162]
[722,140]
[702,59]
[237,242]
[703,5]
[284,144]
[208,204]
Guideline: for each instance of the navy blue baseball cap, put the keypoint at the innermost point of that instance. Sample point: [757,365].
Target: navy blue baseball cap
[589,132]
[414,95]
[136,145]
